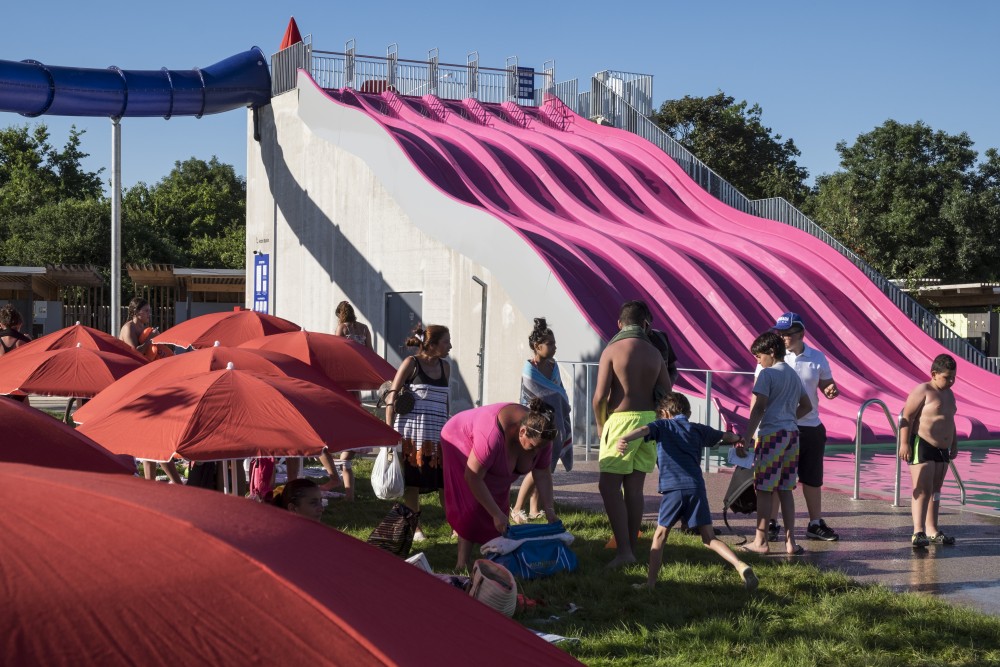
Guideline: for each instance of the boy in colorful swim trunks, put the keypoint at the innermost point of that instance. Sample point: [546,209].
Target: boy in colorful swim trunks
[928,442]
[779,400]
[682,487]
[630,371]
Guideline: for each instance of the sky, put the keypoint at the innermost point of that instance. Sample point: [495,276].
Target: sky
[823,72]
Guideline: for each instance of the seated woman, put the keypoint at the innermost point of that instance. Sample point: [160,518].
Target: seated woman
[484,450]
[301,496]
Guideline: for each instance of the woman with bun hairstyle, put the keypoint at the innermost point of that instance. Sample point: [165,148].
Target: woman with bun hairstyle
[349,327]
[540,378]
[427,374]
[485,450]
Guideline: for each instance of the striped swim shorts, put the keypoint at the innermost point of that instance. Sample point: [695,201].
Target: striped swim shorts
[776,461]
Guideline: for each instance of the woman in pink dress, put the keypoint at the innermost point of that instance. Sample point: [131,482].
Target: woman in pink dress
[484,450]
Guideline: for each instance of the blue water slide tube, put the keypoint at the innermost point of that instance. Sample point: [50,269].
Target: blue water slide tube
[33,89]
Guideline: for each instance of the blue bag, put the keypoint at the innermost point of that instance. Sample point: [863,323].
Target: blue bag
[537,557]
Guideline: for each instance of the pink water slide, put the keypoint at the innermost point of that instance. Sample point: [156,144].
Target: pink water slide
[615,218]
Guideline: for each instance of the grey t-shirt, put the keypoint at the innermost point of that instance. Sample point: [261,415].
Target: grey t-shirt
[783,388]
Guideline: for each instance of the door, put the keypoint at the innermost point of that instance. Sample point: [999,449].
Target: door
[403,311]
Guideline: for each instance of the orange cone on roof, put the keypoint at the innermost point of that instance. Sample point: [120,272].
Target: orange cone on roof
[292,35]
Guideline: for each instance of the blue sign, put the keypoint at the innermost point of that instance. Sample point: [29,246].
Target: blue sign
[261,281]
[525,83]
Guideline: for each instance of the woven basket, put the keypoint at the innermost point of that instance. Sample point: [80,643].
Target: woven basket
[494,586]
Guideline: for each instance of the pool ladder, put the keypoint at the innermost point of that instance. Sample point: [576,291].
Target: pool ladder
[895,430]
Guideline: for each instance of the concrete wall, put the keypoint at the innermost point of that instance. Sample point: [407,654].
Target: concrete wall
[344,215]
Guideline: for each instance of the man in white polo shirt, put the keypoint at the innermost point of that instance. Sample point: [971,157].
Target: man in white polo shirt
[814,370]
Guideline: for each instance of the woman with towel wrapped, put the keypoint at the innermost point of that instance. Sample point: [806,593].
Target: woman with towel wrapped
[540,378]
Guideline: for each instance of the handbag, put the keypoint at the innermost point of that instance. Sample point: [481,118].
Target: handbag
[395,532]
[387,474]
[541,555]
[494,586]
[403,402]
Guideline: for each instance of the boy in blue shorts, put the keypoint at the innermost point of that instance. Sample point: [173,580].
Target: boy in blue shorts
[682,487]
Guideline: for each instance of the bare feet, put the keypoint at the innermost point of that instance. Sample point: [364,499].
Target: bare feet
[754,548]
[748,577]
[621,561]
[793,549]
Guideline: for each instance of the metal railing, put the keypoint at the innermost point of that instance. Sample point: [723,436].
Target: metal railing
[367,73]
[897,432]
[606,103]
[581,392]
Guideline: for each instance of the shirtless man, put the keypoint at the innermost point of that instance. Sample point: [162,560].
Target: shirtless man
[630,371]
[928,442]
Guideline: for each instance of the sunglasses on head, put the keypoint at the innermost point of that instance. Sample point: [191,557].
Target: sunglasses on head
[547,435]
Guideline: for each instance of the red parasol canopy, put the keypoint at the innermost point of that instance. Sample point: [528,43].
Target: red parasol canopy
[73,371]
[31,436]
[232,414]
[228,328]
[292,35]
[349,364]
[91,339]
[192,363]
[254,585]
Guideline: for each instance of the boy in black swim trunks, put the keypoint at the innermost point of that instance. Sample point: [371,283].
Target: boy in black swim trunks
[928,442]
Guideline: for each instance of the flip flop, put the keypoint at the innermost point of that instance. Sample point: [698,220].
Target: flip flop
[799,550]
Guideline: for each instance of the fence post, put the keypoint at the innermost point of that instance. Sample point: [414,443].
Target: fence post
[708,411]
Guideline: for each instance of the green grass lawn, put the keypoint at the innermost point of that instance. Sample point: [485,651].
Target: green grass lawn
[700,613]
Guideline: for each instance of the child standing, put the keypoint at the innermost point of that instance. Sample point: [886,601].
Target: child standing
[928,442]
[779,400]
[681,485]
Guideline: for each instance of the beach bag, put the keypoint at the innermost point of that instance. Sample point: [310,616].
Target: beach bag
[387,474]
[542,556]
[395,532]
[494,586]
[740,497]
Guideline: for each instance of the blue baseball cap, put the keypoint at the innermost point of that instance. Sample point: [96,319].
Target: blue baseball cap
[787,321]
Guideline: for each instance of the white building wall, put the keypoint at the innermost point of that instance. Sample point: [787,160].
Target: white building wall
[344,215]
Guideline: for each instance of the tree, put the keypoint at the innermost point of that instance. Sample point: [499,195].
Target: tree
[912,203]
[197,213]
[731,139]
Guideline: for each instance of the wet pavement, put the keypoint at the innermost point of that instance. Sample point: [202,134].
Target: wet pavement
[874,544]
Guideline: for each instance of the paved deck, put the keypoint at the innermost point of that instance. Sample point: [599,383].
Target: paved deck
[874,544]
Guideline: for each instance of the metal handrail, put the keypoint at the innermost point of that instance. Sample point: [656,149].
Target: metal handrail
[609,104]
[897,431]
[857,441]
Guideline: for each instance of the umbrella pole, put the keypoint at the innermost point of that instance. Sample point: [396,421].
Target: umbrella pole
[69,409]
[225,477]
[235,480]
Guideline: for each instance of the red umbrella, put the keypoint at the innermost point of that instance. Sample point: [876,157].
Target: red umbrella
[232,414]
[31,436]
[73,371]
[91,339]
[192,363]
[255,585]
[228,328]
[349,364]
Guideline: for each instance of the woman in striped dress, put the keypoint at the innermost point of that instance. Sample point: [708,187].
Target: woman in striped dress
[427,374]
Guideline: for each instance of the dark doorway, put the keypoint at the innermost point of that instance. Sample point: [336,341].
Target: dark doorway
[403,311]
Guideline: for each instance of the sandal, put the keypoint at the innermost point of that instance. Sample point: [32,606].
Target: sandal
[941,538]
[518,516]
[536,515]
